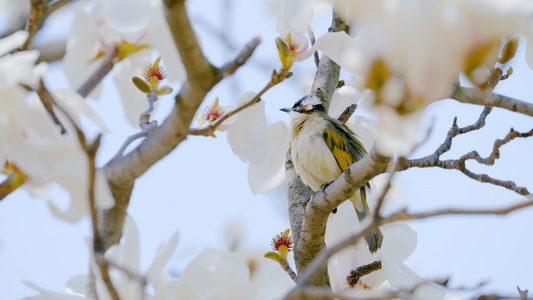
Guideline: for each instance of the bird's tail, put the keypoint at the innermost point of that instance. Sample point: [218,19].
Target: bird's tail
[373,239]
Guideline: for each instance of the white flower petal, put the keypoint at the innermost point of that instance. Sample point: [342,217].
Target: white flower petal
[176,290]
[130,18]
[269,175]
[74,104]
[102,193]
[82,47]
[207,276]
[397,131]
[295,17]
[77,285]
[400,242]
[157,274]
[402,277]
[341,48]
[162,41]
[133,100]
[365,128]
[13,41]
[529,54]
[248,136]
[49,295]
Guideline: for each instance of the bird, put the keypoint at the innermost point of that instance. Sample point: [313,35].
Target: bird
[323,147]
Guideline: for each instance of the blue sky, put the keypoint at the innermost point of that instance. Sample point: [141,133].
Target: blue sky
[201,187]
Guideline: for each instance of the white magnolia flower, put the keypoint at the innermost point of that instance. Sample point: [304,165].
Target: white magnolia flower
[126,255]
[131,27]
[206,277]
[292,25]
[19,68]
[44,155]
[399,242]
[408,65]
[32,143]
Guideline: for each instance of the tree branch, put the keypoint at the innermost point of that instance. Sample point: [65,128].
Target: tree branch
[328,72]
[433,160]
[122,171]
[476,96]
[106,66]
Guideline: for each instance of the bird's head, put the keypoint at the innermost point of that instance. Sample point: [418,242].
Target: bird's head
[306,105]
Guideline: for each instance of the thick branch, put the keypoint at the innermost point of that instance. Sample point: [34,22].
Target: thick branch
[327,74]
[196,65]
[122,171]
[475,96]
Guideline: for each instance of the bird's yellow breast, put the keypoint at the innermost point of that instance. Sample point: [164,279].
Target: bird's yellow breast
[311,156]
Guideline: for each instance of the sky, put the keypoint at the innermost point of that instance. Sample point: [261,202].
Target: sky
[201,188]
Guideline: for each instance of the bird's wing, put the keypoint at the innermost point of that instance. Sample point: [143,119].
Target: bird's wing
[342,142]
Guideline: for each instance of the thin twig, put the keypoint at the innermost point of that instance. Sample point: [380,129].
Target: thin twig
[146,130]
[106,66]
[312,38]
[475,96]
[142,279]
[47,100]
[40,10]
[403,215]
[347,113]
[433,160]
[210,129]
[145,116]
[55,4]
[37,12]
[287,268]
[361,271]
[241,58]
[523,294]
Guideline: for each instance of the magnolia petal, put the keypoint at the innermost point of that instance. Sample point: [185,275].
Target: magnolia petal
[207,276]
[103,197]
[269,175]
[270,281]
[82,48]
[342,49]
[126,253]
[77,285]
[295,16]
[161,39]
[134,101]
[157,274]
[397,132]
[176,290]
[529,54]
[342,98]
[130,18]
[74,104]
[13,41]
[248,136]
[49,295]
[38,190]
[366,130]
[402,277]
[400,241]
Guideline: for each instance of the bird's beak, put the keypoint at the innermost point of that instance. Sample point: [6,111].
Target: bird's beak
[285,109]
